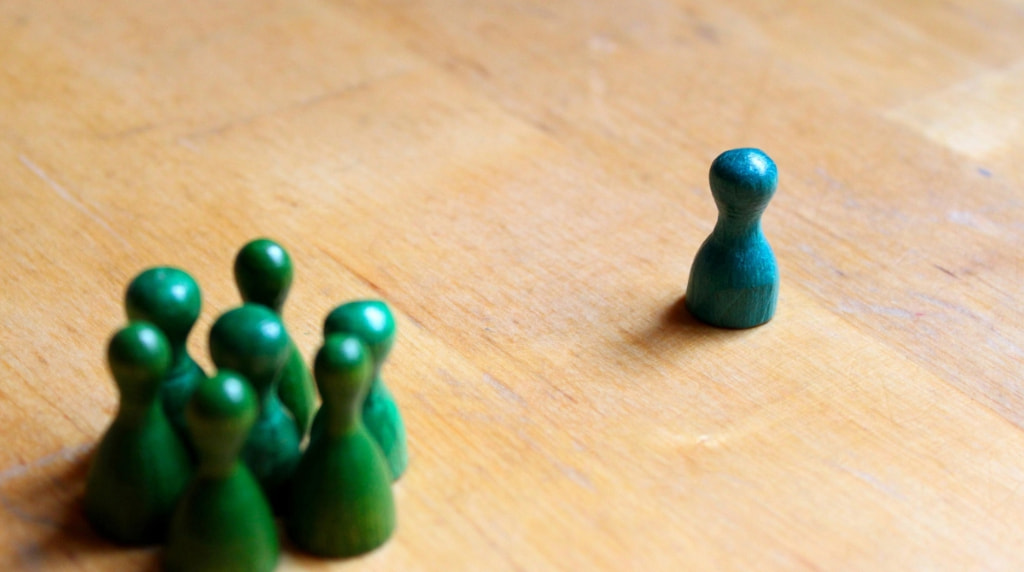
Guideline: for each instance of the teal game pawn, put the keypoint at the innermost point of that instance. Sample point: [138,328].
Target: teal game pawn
[340,495]
[372,322]
[263,273]
[734,280]
[141,466]
[251,340]
[170,299]
[223,522]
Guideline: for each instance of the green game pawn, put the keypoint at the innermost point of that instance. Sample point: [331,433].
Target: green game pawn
[263,273]
[734,281]
[223,522]
[251,340]
[170,299]
[141,466]
[341,502]
[372,322]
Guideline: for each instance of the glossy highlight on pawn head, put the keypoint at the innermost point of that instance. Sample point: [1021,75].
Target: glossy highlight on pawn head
[370,320]
[342,368]
[219,416]
[138,356]
[743,179]
[251,340]
[264,273]
[166,297]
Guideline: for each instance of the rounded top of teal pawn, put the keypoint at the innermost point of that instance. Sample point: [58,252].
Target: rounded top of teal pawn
[219,416]
[743,180]
[263,273]
[251,340]
[166,297]
[138,356]
[370,320]
[343,368]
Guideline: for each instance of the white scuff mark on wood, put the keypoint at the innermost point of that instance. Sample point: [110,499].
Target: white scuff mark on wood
[67,454]
[69,198]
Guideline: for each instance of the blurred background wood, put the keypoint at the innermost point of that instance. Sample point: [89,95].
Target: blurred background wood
[525,182]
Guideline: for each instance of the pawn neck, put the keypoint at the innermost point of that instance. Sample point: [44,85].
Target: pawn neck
[218,467]
[135,414]
[180,359]
[341,420]
[738,225]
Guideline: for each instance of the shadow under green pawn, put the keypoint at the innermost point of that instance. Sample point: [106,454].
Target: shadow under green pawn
[223,522]
[170,299]
[734,280]
[340,494]
[140,467]
[263,273]
[251,340]
[372,322]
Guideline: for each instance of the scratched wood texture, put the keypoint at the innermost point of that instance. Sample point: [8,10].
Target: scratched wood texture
[525,182]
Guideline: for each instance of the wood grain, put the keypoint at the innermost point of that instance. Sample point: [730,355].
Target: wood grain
[525,183]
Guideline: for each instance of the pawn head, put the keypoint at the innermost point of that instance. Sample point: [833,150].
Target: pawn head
[139,356]
[252,341]
[370,320]
[342,368]
[166,297]
[263,273]
[743,180]
[219,416]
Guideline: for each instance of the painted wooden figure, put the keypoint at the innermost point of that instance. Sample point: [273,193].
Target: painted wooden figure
[170,299]
[223,522]
[340,495]
[734,280]
[372,322]
[263,273]
[251,340]
[140,467]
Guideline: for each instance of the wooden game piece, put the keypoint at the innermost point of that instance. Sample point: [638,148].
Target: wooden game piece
[170,299]
[251,340]
[340,495]
[223,522]
[263,273]
[140,467]
[373,323]
[734,280]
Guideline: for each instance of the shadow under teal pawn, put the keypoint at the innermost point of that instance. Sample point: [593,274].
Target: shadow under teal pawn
[340,495]
[734,280]
[251,341]
[263,273]
[223,522]
[170,299]
[372,322]
[140,467]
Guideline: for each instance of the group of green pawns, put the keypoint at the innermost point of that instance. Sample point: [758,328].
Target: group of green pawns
[203,464]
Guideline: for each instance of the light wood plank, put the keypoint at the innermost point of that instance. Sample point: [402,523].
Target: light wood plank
[525,183]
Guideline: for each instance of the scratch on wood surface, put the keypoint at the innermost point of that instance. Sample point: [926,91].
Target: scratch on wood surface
[959,309]
[572,473]
[190,139]
[503,389]
[858,307]
[25,516]
[67,454]
[129,132]
[69,198]
[872,480]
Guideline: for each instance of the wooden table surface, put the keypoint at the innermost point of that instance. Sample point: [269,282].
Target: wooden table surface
[525,182]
